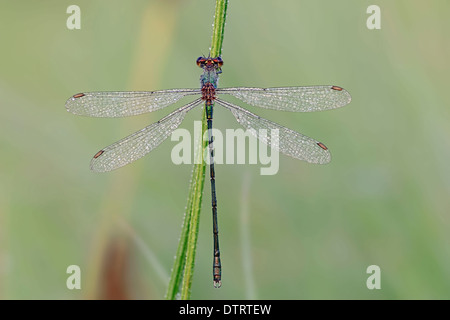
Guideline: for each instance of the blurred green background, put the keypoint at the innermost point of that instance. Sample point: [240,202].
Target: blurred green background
[308,232]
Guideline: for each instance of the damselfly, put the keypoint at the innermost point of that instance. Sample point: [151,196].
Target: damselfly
[138,144]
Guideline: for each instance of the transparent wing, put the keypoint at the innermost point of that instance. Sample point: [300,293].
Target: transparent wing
[289,142]
[297,99]
[140,143]
[122,104]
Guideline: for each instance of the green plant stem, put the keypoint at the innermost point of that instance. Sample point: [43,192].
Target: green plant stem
[183,268]
[219,27]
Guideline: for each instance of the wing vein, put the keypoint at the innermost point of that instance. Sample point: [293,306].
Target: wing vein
[280,138]
[296,99]
[138,144]
[125,103]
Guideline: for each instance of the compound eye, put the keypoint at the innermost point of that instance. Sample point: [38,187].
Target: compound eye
[201,61]
[218,61]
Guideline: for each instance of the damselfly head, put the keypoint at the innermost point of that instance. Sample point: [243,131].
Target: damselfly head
[210,63]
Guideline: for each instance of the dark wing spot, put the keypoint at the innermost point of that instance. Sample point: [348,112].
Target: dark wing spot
[320,144]
[336,88]
[78,95]
[98,154]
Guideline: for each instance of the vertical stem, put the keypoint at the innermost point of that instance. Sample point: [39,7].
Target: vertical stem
[185,258]
[193,212]
[219,27]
